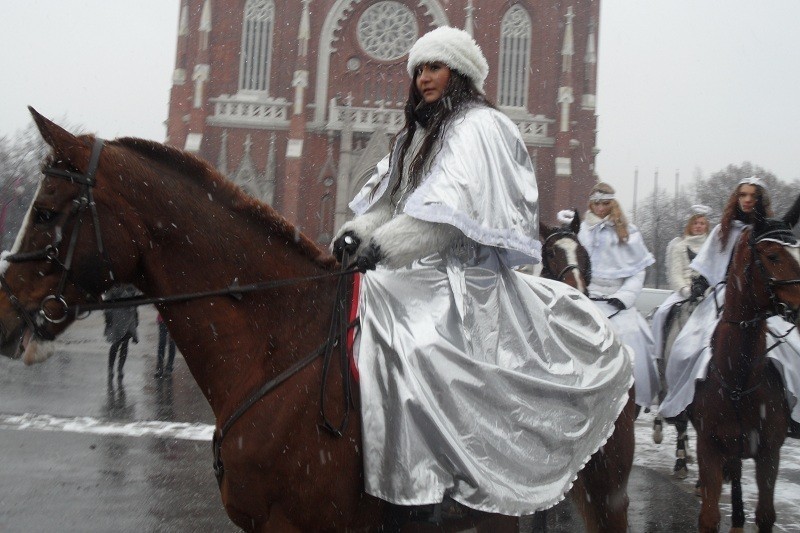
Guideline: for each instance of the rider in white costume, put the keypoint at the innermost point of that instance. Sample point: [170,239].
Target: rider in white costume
[619,259]
[478,383]
[680,253]
[691,352]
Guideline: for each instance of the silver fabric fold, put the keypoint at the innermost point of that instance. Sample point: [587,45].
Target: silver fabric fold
[482,383]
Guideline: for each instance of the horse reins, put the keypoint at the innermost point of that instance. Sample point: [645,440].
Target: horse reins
[778,308]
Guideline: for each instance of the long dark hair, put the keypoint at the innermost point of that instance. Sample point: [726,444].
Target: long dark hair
[436,117]
[732,211]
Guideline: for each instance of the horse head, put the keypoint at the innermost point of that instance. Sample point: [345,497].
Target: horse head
[777,256]
[765,269]
[563,256]
[59,258]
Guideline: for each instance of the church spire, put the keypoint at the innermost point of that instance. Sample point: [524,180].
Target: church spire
[565,93]
[297,123]
[469,23]
[590,68]
[563,145]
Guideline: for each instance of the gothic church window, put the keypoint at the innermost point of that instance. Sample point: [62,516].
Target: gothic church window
[256,50]
[515,57]
[386,30]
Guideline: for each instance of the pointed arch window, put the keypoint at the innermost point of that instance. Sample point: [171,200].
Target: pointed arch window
[515,58]
[258,28]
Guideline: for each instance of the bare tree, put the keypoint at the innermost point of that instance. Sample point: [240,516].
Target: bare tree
[20,157]
[662,216]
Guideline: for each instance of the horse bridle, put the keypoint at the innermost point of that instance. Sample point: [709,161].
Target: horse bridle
[782,236]
[778,308]
[546,269]
[50,253]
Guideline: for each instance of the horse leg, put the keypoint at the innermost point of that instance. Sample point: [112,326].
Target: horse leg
[733,469]
[658,429]
[680,470]
[601,491]
[766,473]
[710,464]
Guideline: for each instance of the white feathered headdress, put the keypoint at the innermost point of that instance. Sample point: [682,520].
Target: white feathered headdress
[453,47]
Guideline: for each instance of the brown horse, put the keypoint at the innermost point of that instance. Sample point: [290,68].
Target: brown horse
[740,411]
[563,256]
[140,212]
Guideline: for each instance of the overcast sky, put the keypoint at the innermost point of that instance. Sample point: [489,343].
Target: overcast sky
[685,86]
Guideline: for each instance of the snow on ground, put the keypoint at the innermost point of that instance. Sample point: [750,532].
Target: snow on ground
[661,457]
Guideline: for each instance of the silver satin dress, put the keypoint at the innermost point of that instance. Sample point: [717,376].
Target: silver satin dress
[478,382]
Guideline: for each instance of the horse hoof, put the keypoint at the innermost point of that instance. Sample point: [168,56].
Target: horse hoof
[682,473]
[658,431]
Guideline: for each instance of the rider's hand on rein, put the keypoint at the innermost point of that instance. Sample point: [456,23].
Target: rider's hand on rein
[347,243]
[369,257]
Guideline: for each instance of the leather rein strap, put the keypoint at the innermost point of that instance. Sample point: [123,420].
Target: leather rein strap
[337,336]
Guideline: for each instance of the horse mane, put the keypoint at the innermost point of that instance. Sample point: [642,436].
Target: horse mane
[200,170]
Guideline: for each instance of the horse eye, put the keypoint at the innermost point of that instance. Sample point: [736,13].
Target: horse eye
[773,257]
[44,216]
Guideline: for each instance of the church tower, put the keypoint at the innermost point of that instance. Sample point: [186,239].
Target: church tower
[296,100]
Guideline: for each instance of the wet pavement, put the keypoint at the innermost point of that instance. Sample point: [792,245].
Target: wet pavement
[85,454]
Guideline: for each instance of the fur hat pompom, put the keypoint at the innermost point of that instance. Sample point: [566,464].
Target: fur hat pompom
[453,47]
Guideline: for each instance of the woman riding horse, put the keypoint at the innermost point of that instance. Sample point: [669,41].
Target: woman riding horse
[619,258]
[691,350]
[478,384]
[671,315]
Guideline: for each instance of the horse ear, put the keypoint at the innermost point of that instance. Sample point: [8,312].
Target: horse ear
[544,231]
[760,225]
[63,143]
[575,225]
[793,214]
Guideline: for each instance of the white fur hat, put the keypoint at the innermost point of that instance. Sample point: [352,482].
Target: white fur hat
[453,47]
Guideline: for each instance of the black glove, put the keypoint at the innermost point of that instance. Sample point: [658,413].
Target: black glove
[348,242]
[617,303]
[369,257]
[699,287]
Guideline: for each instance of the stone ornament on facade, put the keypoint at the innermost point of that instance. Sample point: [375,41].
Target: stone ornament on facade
[386,30]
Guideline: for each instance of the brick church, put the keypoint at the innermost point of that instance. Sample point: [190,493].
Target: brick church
[296,100]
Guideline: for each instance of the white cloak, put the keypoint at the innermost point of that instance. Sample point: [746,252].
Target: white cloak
[618,271]
[478,382]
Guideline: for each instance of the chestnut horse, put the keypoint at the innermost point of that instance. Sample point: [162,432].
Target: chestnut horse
[563,257]
[135,211]
[740,410]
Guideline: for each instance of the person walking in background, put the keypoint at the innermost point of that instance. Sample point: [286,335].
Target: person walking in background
[164,338]
[121,325]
